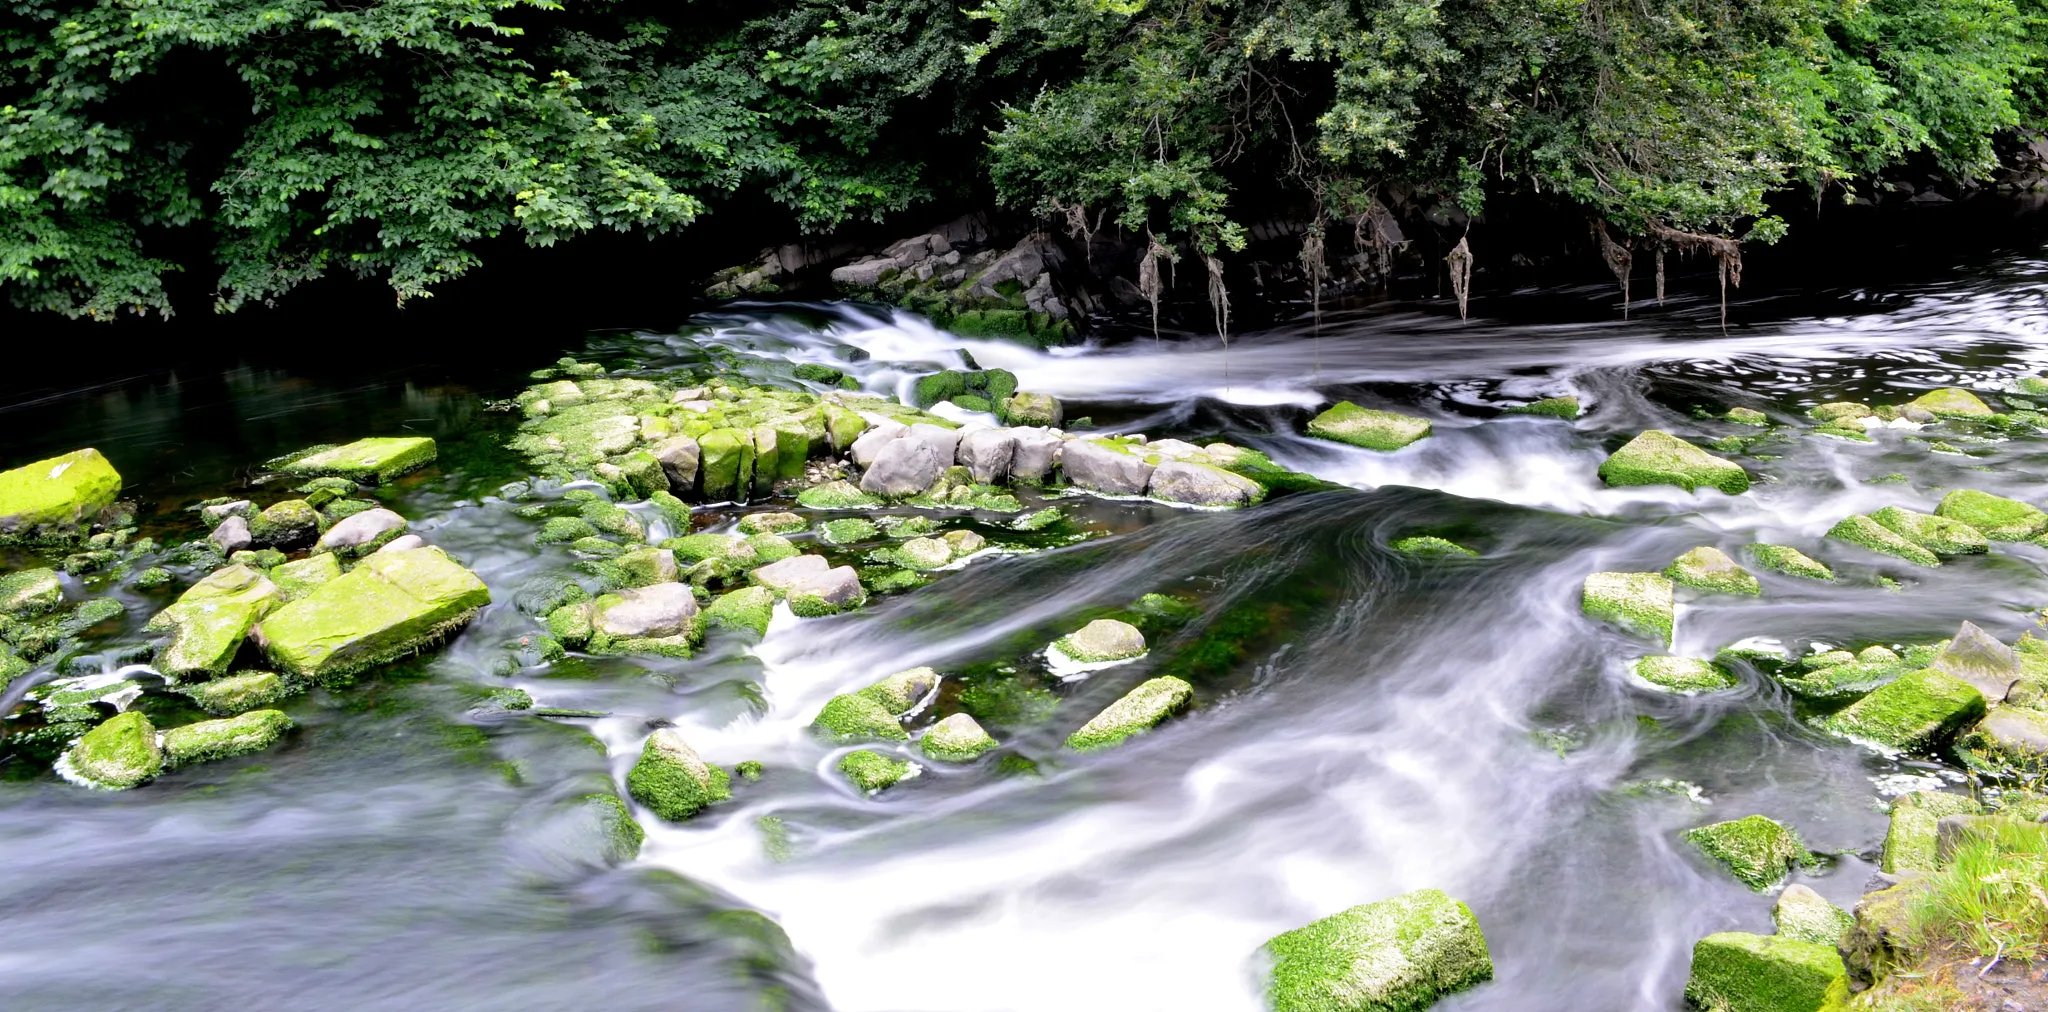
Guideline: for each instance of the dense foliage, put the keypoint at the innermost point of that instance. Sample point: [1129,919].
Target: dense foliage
[392,137]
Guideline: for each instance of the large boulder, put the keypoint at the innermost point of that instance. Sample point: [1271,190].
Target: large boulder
[869,443]
[672,780]
[1640,603]
[1105,467]
[1037,451]
[371,461]
[1346,422]
[1032,409]
[209,621]
[1756,850]
[118,754]
[1138,711]
[1659,458]
[987,454]
[727,464]
[1996,517]
[1734,971]
[1916,712]
[1396,955]
[1865,532]
[678,456]
[1937,534]
[1102,640]
[54,497]
[1710,569]
[903,467]
[391,604]
[1202,485]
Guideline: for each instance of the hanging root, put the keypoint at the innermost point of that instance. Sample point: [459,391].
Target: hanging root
[1620,259]
[1373,232]
[1219,298]
[1727,254]
[1148,279]
[1460,261]
[1660,273]
[1078,227]
[1312,265]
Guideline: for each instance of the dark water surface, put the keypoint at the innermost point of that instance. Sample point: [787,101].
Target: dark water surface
[1366,722]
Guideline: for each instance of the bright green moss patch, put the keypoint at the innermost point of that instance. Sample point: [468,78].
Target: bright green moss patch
[748,609]
[1951,402]
[295,580]
[389,605]
[1756,850]
[118,754]
[1912,841]
[872,771]
[1918,711]
[561,530]
[1790,561]
[1839,411]
[371,461]
[852,717]
[847,530]
[1683,674]
[1346,422]
[1640,603]
[956,739]
[1710,569]
[1805,916]
[30,592]
[1660,458]
[837,495]
[1101,641]
[1867,533]
[1996,517]
[1137,712]
[219,739]
[54,497]
[1431,548]
[1739,972]
[1566,407]
[1397,955]
[672,781]
[902,690]
[209,621]
[620,833]
[1747,416]
[1937,534]
[250,690]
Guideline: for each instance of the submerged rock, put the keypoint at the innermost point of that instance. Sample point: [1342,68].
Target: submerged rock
[1639,603]
[871,771]
[209,621]
[1937,534]
[1951,402]
[30,593]
[957,739]
[250,690]
[1756,850]
[1346,422]
[1710,569]
[1790,561]
[1426,546]
[1102,640]
[1566,407]
[1996,517]
[1805,916]
[1137,712]
[118,754]
[391,604]
[672,781]
[1918,711]
[1659,458]
[57,496]
[219,739]
[1734,971]
[1684,674]
[1398,954]
[1868,533]
[374,461]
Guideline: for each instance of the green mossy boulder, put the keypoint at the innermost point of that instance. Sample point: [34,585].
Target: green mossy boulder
[209,621]
[1032,409]
[1747,416]
[838,494]
[1839,411]
[1937,534]
[391,604]
[30,593]
[957,739]
[848,530]
[672,781]
[219,739]
[853,717]
[295,580]
[1865,532]
[1918,711]
[1346,422]
[1757,851]
[250,690]
[1138,711]
[1101,641]
[1397,955]
[726,467]
[562,530]
[53,498]
[1639,603]
[372,461]
[1431,548]
[118,754]
[902,690]
[1790,561]
[1734,971]
[1805,916]
[1660,458]
[1710,569]
[1684,674]
[1912,842]
[748,609]
[1996,517]
[872,771]
[1951,402]
[1566,407]
[772,523]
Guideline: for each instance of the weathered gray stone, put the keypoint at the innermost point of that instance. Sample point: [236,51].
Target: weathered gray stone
[214,514]
[664,609]
[944,442]
[904,467]
[987,454]
[781,576]
[834,590]
[678,456]
[361,529]
[1202,485]
[402,543]
[232,535]
[869,444]
[1037,451]
[1092,465]
[1975,657]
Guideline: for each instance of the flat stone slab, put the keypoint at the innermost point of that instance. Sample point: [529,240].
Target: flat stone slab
[209,621]
[1138,711]
[374,460]
[389,605]
[61,492]
[781,576]
[1400,953]
[1346,422]
[1657,457]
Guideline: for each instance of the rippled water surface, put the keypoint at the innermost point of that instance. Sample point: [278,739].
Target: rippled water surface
[1365,722]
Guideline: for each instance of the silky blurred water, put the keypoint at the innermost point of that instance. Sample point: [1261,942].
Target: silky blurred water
[1365,723]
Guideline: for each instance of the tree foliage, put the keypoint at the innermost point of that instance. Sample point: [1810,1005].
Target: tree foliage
[391,138]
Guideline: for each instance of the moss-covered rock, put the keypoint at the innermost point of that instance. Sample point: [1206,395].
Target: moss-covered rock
[118,754]
[1346,422]
[1138,711]
[1919,711]
[748,609]
[57,497]
[1032,409]
[1566,407]
[613,519]
[209,621]
[837,494]
[899,692]
[391,604]
[1912,841]
[1805,916]
[1639,603]
[672,781]
[847,530]
[2011,741]
[288,524]
[1756,850]
[1102,641]
[1397,955]
[853,717]
[617,831]
[659,620]
[240,693]
[1837,412]
[643,567]
[1734,971]
[1996,517]
[295,580]
[873,771]
[1867,533]
[772,523]
[219,739]
[373,461]
[956,739]
[1659,458]
[1790,561]
[1951,402]
[1937,534]
[561,530]
[1429,547]
[771,548]
[1710,569]
[1747,416]
[30,593]
[1684,674]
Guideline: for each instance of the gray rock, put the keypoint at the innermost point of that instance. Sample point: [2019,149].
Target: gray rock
[679,456]
[218,512]
[1201,485]
[987,453]
[1092,465]
[664,609]
[838,587]
[1037,451]
[904,467]
[232,535]
[869,444]
[402,543]
[865,274]
[791,572]
[1975,657]
[945,442]
[2015,731]
[361,529]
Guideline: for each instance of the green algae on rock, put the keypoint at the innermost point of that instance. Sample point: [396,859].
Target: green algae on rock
[1683,674]
[1138,711]
[1639,603]
[30,592]
[240,693]
[616,828]
[2011,741]
[1756,850]
[1912,841]
[847,530]
[1917,712]
[118,754]
[1346,422]
[1429,547]
[872,771]
[55,498]
[852,717]
[956,739]
[1839,411]
[1710,569]
[208,740]
[672,781]
[1805,916]
[838,494]
[1102,641]
[899,692]
[373,461]
[1790,561]
[1657,457]
[1735,971]
[1747,416]
[391,604]
[772,523]
[1865,532]
[748,608]
[1396,955]
[1996,517]
[295,580]
[1937,534]
[1951,402]
[209,621]
[1566,407]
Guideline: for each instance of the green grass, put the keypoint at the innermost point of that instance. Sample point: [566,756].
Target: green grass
[1991,898]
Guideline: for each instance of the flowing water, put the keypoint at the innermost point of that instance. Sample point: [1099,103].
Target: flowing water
[1366,722]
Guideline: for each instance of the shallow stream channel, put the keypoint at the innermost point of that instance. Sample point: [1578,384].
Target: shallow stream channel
[1370,715]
